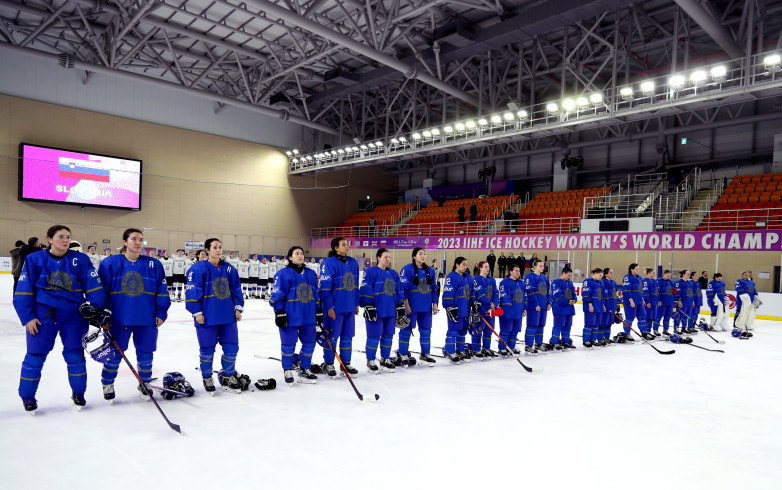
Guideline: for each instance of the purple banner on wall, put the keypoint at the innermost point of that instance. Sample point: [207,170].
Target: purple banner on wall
[758,241]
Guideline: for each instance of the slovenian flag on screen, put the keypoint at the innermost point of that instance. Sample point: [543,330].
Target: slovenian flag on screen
[73,170]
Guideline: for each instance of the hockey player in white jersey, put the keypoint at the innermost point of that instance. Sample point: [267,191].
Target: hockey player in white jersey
[254,271]
[263,278]
[244,275]
[168,268]
[179,268]
[312,264]
[272,267]
[233,259]
[94,257]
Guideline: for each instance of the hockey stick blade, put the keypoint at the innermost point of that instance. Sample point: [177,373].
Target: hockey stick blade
[663,352]
[704,348]
[344,370]
[526,368]
[169,390]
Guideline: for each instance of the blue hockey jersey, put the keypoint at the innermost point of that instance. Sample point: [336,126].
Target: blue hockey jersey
[697,292]
[512,298]
[651,292]
[562,292]
[684,293]
[592,293]
[536,290]
[457,291]
[424,295]
[745,286]
[136,292]
[59,282]
[339,287]
[213,291]
[715,288]
[383,289]
[665,290]
[632,288]
[610,296]
[485,292]
[297,294]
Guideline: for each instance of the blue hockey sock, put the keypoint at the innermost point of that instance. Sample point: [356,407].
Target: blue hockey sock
[345,349]
[228,359]
[31,374]
[77,369]
[144,363]
[425,338]
[206,357]
[110,368]
[529,336]
[371,348]
[539,335]
[386,342]
[460,342]
[287,351]
[404,341]
[307,348]
[588,333]
[450,341]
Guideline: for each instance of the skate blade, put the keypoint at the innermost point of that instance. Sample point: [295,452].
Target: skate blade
[111,402]
[290,384]
[307,381]
[32,413]
[231,390]
[211,393]
[77,408]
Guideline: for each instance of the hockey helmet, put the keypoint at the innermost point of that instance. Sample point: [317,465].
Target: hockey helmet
[177,382]
[736,332]
[675,338]
[702,324]
[402,321]
[620,338]
[618,318]
[97,344]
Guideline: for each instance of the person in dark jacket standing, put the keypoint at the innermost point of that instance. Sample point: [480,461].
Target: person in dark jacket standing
[491,259]
[502,262]
[16,262]
[704,280]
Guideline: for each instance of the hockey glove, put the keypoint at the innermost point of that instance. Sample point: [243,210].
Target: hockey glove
[475,309]
[756,302]
[322,329]
[400,311]
[618,318]
[102,318]
[87,311]
[281,319]
[318,317]
[453,313]
[370,313]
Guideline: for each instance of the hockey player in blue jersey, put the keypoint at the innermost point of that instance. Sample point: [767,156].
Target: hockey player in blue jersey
[297,310]
[52,286]
[592,302]
[611,302]
[339,291]
[632,301]
[457,301]
[536,291]
[716,301]
[684,300]
[651,297]
[697,303]
[421,293]
[214,298]
[486,297]
[512,303]
[747,301]
[137,294]
[665,289]
[563,297]
[381,296]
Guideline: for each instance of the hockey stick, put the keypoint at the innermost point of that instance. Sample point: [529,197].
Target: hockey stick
[702,329]
[526,368]
[663,352]
[344,370]
[133,370]
[704,348]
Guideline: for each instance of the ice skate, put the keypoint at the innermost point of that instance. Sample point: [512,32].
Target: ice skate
[108,393]
[78,401]
[209,386]
[307,377]
[427,360]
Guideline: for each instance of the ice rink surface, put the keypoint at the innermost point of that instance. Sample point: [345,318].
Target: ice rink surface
[616,417]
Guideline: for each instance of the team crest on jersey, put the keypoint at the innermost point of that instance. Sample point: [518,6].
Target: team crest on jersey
[304,293]
[466,290]
[60,280]
[389,288]
[132,284]
[221,288]
[599,293]
[569,294]
[489,291]
[542,289]
[349,282]
[423,287]
[518,296]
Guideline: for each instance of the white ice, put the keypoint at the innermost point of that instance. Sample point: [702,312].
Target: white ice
[616,417]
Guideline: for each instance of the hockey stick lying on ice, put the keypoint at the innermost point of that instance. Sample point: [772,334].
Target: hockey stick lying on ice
[344,370]
[704,348]
[702,329]
[498,312]
[663,352]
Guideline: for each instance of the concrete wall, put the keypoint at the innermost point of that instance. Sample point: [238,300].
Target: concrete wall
[194,185]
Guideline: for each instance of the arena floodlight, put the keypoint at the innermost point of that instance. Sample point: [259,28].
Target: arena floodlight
[295,160]
[569,105]
[394,141]
[363,147]
[402,139]
[460,126]
[596,98]
[719,73]
[772,63]
[341,151]
[647,88]
[483,122]
[333,153]
[448,129]
[289,153]
[372,146]
[295,151]
[416,136]
[496,119]
[582,102]
[470,124]
[427,133]
[379,144]
[522,114]
[508,116]
[698,78]
[435,131]
[626,93]
[552,107]
[309,158]
[355,149]
[676,82]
